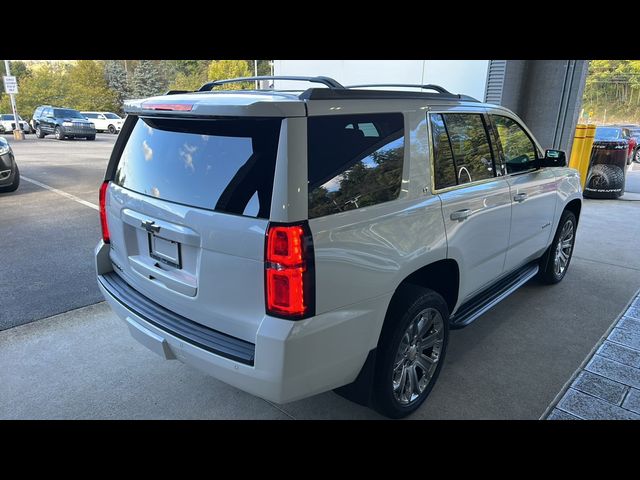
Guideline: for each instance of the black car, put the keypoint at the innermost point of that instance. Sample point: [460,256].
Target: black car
[9,173]
[63,123]
[608,163]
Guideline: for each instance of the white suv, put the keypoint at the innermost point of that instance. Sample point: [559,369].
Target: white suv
[105,121]
[289,243]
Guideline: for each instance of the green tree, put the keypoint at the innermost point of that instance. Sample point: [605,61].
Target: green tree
[221,69]
[88,88]
[613,86]
[44,85]
[188,74]
[147,80]
[117,81]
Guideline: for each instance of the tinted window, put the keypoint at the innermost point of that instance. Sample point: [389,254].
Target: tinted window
[90,115]
[517,148]
[354,161]
[470,145]
[66,113]
[223,165]
[112,115]
[443,167]
[47,112]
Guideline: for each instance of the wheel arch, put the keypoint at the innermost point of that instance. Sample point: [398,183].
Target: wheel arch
[574,206]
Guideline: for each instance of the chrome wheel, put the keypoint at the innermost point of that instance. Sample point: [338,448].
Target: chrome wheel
[418,356]
[58,133]
[637,156]
[563,249]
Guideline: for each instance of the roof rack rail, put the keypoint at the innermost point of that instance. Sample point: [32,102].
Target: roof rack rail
[329,82]
[429,86]
[176,92]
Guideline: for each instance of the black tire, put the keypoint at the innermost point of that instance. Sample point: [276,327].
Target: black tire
[39,132]
[58,133]
[404,310]
[605,181]
[14,186]
[112,129]
[92,137]
[548,272]
[636,155]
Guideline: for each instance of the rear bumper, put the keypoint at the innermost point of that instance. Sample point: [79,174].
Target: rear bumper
[291,360]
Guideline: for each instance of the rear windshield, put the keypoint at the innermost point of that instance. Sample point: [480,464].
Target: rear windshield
[226,165]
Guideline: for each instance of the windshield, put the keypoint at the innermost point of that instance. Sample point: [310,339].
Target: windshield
[67,113]
[607,133]
[112,115]
[10,118]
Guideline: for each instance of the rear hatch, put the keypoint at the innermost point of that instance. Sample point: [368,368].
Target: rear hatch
[187,207]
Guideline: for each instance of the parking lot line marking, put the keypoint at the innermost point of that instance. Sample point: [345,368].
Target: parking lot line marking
[60,192]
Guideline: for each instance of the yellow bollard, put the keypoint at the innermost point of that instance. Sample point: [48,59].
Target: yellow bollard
[585,157]
[576,149]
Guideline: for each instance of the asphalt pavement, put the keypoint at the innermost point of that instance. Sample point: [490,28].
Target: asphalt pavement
[46,266]
[509,364]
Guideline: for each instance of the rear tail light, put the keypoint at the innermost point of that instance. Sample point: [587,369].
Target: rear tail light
[103,212]
[289,271]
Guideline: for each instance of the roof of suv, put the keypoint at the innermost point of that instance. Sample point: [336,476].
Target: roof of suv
[281,102]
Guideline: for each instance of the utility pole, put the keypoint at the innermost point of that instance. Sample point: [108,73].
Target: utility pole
[18,134]
[255,69]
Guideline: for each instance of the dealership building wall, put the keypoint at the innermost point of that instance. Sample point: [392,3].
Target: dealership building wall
[546,94]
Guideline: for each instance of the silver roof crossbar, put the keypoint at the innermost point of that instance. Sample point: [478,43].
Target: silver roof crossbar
[329,82]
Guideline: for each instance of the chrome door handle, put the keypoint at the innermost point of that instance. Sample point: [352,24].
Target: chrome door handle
[460,215]
[520,197]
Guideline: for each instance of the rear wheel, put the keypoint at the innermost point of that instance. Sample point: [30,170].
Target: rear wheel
[636,155]
[555,262]
[14,186]
[411,351]
[58,134]
[112,129]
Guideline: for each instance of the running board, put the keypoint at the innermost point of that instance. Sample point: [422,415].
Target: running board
[490,297]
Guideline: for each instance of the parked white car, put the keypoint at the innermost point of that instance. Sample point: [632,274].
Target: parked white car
[105,121]
[7,121]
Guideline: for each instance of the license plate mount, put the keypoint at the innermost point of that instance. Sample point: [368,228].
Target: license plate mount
[165,251]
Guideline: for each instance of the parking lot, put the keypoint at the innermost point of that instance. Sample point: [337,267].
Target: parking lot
[509,364]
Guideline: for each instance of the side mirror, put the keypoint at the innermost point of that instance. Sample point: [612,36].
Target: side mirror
[554,158]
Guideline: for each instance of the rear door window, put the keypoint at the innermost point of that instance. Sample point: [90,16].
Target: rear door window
[470,146]
[226,165]
[355,161]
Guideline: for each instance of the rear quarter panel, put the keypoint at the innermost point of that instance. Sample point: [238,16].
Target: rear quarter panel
[364,254]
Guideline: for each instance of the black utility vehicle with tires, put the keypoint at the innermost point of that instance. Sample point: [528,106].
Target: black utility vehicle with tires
[606,176]
[62,123]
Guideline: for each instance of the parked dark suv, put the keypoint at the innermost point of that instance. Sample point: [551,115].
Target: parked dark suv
[63,123]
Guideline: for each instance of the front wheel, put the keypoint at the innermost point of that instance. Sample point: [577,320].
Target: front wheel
[14,186]
[39,132]
[411,351]
[555,262]
[636,156]
[58,134]
[112,129]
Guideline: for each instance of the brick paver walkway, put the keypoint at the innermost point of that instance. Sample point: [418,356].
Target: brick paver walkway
[608,386]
